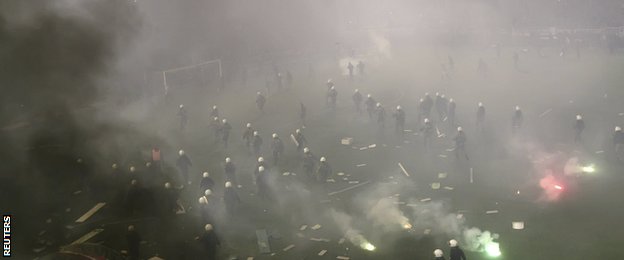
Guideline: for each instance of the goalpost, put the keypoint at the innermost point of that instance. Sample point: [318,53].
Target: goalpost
[189,69]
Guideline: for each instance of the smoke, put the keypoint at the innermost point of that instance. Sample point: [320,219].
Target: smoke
[381,44]
[385,214]
[476,240]
[345,223]
[58,58]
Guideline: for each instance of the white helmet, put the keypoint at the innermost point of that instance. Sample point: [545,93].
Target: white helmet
[227,159]
[453,243]
[617,129]
[208,227]
[517,108]
[329,80]
[203,200]
[261,169]
[378,104]
[205,175]
[259,93]
[459,129]
[214,107]
[228,184]
[369,96]
[323,159]
[248,125]
[437,94]
[133,182]
[114,166]
[255,133]
[260,159]
[451,100]
[181,106]
[132,169]
[306,149]
[148,164]
[298,131]
[426,120]
[480,104]
[181,152]
[438,253]
[333,88]
[356,90]
[274,135]
[215,118]
[224,120]
[207,193]
[421,100]
[167,185]
[398,107]
[579,117]
[442,96]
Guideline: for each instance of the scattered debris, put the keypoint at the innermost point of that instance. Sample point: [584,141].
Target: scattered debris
[302,228]
[372,146]
[361,165]
[91,212]
[403,169]
[342,240]
[599,152]
[346,141]
[491,212]
[331,180]
[425,199]
[288,247]
[399,203]
[448,188]
[316,227]
[87,236]
[340,173]
[442,175]
[322,252]
[250,258]
[548,111]
[300,235]
[363,148]
[348,188]
[77,192]
[354,182]
[342,257]
[286,173]
[517,225]
[427,231]
[320,239]
[435,185]
[442,156]
[471,180]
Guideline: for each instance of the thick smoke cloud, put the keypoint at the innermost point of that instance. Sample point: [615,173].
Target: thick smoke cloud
[59,59]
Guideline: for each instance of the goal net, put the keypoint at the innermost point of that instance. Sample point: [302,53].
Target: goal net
[201,75]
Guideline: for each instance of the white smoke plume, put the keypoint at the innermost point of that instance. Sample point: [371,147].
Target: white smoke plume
[345,223]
